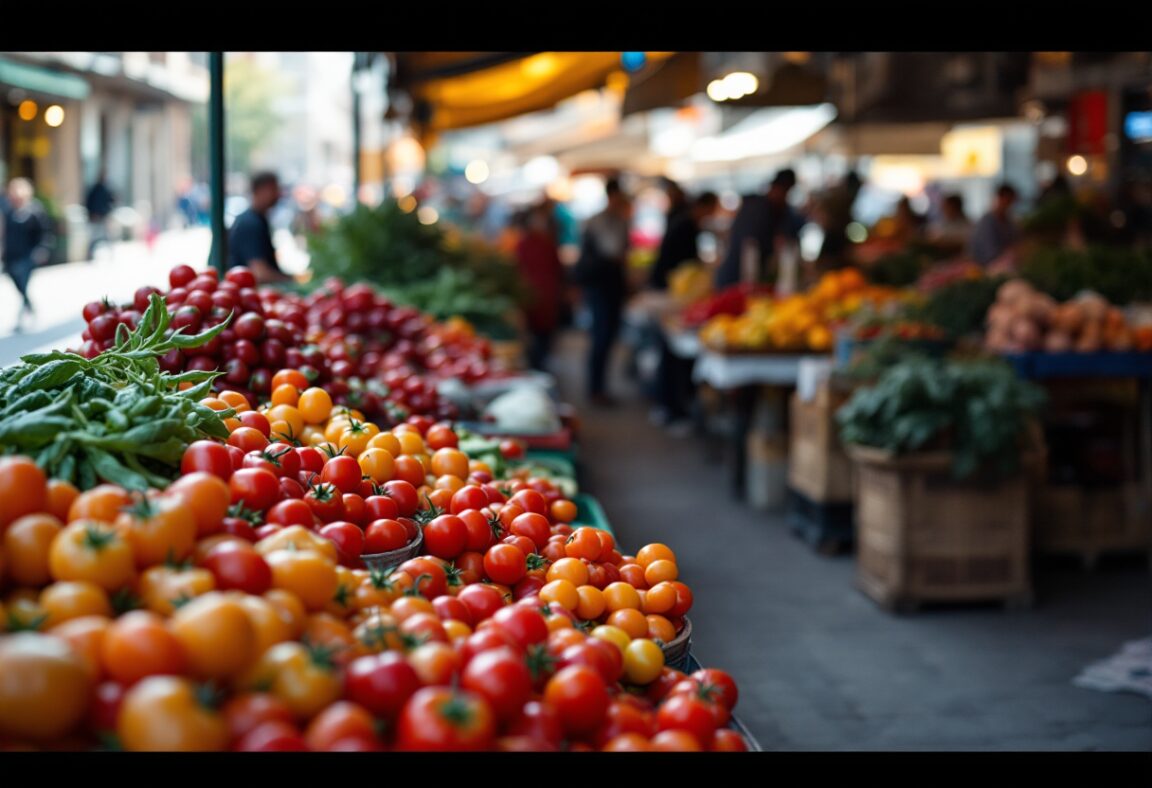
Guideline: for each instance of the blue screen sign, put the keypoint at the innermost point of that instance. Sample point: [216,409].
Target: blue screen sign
[1138,126]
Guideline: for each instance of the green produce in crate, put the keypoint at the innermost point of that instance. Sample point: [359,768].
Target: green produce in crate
[115,418]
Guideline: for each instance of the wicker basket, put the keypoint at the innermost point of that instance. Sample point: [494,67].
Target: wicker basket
[384,561]
[676,652]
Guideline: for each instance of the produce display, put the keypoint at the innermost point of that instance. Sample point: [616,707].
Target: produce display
[302,577]
[803,322]
[1023,319]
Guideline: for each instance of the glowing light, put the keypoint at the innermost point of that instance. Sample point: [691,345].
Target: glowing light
[407,203]
[54,115]
[560,189]
[27,109]
[717,90]
[1077,165]
[402,186]
[334,194]
[741,83]
[856,232]
[476,171]
[539,66]
[729,200]
[428,215]
[616,82]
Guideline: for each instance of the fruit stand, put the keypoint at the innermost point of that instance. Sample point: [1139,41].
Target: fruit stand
[242,519]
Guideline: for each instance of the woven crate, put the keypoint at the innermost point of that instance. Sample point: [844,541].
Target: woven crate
[384,561]
[676,650]
[818,467]
[922,536]
[1089,522]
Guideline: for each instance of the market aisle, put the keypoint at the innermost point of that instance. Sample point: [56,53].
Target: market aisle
[819,666]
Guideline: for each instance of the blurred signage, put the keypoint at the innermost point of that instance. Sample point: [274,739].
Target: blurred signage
[973,151]
[1138,126]
[1088,122]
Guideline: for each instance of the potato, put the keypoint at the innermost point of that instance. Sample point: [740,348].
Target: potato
[1057,342]
[1095,306]
[1013,292]
[1025,333]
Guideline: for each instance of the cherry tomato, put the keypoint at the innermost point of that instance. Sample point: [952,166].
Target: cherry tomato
[326,502]
[728,740]
[165,713]
[347,537]
[381,683]
[687,713]
[355,511]
[428,577]
[342,472]
[502,678]
[580,696]
[208,456]
[524,624]
[481,600]
[504,563]
[248,439]
[441,719]
[382,536]
[445,536]
[290,512]
[404,494]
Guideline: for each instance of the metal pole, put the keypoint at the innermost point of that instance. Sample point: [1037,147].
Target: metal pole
[219,252]
[357,60]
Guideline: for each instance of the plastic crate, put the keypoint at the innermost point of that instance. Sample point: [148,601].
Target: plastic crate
[691,665]
[590,512]
[1081,365]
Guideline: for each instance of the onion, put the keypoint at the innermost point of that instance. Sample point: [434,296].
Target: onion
[1014,291]
[1095,306]
[1025,333]
[1057,342]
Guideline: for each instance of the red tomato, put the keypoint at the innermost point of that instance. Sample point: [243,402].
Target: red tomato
[274,736]
[530,501]
[325,502]
[625,718]
[343,472]
[607,662]
[257,421]
[721,685]
[481,600]
[687,713]
[486,640]
[683,600]
[512,449]
[523,543]
[440,719]
[539,722]
[502,678]
[257,489]
[380,507]
[470,497]
[728,740]
[347,537]
[381,683]
[480,534]
[248,439]
[428,577]
[659,689]
[311,459]
[355,510]
[580,696]
[248,711]
[208,456]
[505,563]
[404,494]
[441,436]
[240,527]
[290,512]
[445,536]
[290,489]
[534,526]
[382,536]
[523,623]
[240,568]
[528,587]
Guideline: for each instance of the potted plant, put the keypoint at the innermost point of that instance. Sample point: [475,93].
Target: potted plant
[941,450]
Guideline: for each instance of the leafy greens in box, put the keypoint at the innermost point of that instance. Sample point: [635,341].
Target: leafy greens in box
[978,410]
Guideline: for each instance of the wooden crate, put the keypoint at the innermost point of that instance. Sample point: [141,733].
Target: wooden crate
[923,536]
[818,467]
[1089,522]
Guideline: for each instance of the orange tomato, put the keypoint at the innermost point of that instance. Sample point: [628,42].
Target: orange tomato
[309,575]
[630,620]
[591,605]
[377,464]
[92,551]
[285,394]
[167,714]
[102,502]
[72,599]
[619,596]
[61,495]
[207,497]
[164,588]
[86,637]
[450,461]
[139,644]
[46,687]
[217,635]
[23,489]
[410,442]
[386,441]
[289,415]
[159,529]
[660,571]
[315,405]
[235,400]
[660,628]
[660,598]
[289,608]
[27,543]
[291,377]
[654,552]
[563,511]
[302,676]
[563,592]
[573,570]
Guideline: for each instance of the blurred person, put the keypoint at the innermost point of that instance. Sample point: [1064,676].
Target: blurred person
[250,239]
[905,225]
[99,202]
[28,241]
[951,228]
[186,202]
[996,233]
[601,272]
[678,202]
[764,220]
[680,239]
[836,206]
[538,259]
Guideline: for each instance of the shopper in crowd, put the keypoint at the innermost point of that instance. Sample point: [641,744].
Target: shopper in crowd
[28,241]
[996,233]
[538,258]
[679,242]
[678,202]
[904,225]
[250,239]
[763,222]
[951,229]
[601,272]
[836,209]
[99,202]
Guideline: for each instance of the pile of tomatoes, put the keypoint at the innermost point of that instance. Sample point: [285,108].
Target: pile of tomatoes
[234,610]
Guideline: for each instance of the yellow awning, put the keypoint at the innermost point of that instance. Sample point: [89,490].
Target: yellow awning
[507,89]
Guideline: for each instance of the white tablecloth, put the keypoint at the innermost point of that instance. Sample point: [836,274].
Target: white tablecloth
[730,371]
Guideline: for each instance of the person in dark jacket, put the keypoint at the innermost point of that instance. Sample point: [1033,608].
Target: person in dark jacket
[679,242]
[99,202]
[601,272]
[762,218]
[538,259]
[250,238]
[28,240]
